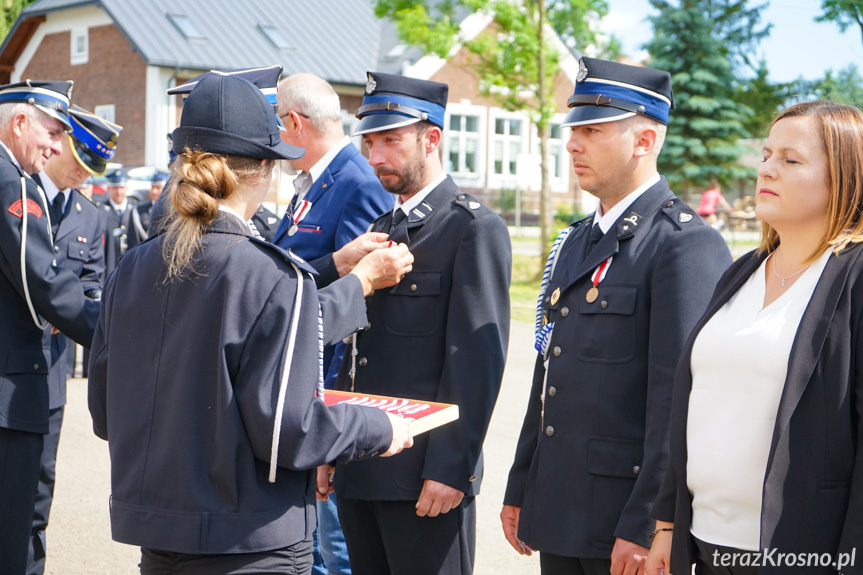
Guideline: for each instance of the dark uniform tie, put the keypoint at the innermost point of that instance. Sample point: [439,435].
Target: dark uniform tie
[399,227]
[596,234]
[56,212]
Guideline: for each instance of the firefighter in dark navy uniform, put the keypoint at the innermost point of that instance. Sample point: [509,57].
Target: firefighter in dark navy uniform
[139,220]
[441,334]
[621,293]
[35,294]
[78,248]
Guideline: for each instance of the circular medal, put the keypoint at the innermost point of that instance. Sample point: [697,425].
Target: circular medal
[555,296]
[292,230]
[592,294]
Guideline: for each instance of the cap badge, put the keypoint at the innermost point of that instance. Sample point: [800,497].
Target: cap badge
[371,85]
[582,71]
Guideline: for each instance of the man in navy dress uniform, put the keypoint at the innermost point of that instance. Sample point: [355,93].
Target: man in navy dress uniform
[439,335]
[337,196]
[78,248]
[35,294]
[626,288]
[139,224]
[116,220]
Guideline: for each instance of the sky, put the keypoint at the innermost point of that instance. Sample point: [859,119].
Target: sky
[797,45]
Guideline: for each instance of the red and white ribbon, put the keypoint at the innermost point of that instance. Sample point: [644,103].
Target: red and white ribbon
[600,272]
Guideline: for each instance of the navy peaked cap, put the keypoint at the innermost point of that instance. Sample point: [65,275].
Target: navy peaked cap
[117,178]
[49,96]
[93,139]
[159,178]
[392,101]
[229,115]
[608,91]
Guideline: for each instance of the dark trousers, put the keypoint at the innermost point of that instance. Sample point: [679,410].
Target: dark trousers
[20,454]
[295,559]
[713,559]
[559,565]
[388,538]
[44,494]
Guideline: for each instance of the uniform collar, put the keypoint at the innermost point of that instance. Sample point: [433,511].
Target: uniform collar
[327,158]
[11,155]
[51,189]
[606,221]
[418,197]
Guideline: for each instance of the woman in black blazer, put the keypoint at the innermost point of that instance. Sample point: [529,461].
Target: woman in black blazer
[766,461]
[206,359]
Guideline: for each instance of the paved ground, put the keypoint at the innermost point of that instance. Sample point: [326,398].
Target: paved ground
[79,540]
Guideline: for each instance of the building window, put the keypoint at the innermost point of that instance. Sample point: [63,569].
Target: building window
[80,46]
[275,36]
[507,145]
[463,144]
[106,112]
[185,26]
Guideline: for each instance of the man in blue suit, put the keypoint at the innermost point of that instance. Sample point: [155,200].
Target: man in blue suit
[78,248]
[337,197]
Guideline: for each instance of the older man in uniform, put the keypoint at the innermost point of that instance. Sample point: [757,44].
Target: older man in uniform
[35,295]
[622,291]
[440,335]
[78,248]
[139,220]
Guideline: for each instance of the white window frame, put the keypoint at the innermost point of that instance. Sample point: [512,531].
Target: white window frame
[505,181]
[349,124]
[467,179]
[559,182]
[106,112]
[79,56]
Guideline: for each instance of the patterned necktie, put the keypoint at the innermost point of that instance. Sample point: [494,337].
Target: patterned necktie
[596,234]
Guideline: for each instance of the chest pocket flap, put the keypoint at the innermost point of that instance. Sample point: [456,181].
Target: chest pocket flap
[613,299]
[418,284]
[77,251]
[26,360]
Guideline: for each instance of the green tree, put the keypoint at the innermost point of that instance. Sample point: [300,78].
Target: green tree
[844,12]
[763,97]
[705,45]
[9,10]
[844,86]
[515,61]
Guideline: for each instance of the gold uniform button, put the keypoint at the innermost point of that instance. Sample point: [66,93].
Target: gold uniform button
[603,304]
[549,431]
[471,479]
[637,469]
[552,391]
[564,311]
[363,361]
[461,197]
[80,252]
[556,351]
[413,287]
[35,366]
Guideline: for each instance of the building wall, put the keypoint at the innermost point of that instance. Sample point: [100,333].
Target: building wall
[113,75]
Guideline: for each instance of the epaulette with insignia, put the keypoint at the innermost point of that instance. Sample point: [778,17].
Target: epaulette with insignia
[288,255]
[679,212]
[469,203]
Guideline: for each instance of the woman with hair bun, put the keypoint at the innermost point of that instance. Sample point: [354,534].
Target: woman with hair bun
[207,358]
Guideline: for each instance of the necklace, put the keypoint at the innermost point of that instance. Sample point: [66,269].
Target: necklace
[785,279]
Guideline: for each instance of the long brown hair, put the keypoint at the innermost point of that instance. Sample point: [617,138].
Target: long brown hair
[841,129]
[198,180]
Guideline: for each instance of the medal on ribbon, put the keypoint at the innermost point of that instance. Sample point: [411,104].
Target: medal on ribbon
[598,275]
[298,214]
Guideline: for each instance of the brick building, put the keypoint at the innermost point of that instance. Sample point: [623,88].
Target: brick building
[124,54]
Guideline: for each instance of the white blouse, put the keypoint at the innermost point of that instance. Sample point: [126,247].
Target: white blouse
[739,363]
